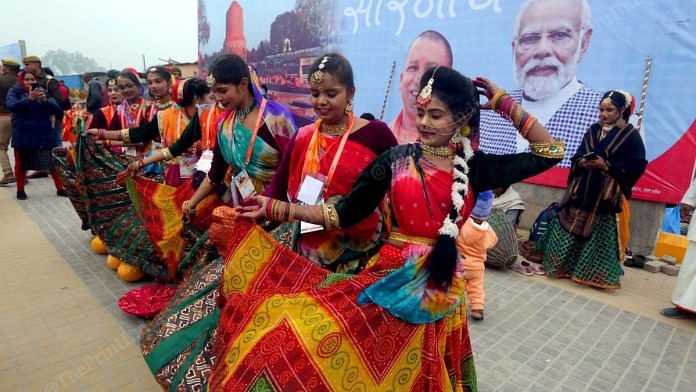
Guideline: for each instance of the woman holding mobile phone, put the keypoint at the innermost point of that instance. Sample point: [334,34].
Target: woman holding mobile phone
[582,243]
[33,117]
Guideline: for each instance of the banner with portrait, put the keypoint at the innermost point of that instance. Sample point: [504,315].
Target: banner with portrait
[557,57]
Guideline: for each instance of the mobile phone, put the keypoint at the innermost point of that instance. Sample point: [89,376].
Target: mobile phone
[590,156]
[34,86]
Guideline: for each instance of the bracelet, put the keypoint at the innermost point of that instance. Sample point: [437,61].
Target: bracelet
[168,156]
[125,135]
[554,149]
[291,213]
[498,95]
[141,163]
[331,221]
[107,143]
[268,207]
[102,134]
[186,207]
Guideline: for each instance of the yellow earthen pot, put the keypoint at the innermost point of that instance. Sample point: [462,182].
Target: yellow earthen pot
[130,273]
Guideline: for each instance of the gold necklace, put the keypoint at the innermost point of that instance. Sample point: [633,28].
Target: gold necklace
[440,152]
[333,131]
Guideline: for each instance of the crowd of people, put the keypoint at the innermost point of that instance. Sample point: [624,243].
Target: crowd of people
[348,245]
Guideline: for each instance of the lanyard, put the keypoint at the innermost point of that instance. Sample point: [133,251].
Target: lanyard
[254,133]
[211,112]
[337,157]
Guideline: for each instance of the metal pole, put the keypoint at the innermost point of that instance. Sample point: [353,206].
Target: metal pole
[386,93]
[644,91]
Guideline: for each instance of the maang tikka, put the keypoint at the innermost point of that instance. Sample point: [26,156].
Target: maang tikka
[318,75]
[426,94]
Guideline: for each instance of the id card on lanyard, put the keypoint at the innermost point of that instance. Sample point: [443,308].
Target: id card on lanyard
[242,181]
[313,188]
[206,160]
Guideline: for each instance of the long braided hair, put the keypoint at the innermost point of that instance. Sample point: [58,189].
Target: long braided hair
[462,99]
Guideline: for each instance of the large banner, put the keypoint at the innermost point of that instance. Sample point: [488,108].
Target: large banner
[556,56]
[11,50]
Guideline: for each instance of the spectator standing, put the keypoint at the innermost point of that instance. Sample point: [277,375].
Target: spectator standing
[33,111]
[10,68]
[52,88]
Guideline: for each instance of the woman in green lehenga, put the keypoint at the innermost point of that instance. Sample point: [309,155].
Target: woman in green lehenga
[582,242]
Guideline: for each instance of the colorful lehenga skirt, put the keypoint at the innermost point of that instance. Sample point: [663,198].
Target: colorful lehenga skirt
[178,344]
[65,161]
[593,261]
[287,324]
[108,208]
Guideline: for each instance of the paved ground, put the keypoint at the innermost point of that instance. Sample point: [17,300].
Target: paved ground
[539,334]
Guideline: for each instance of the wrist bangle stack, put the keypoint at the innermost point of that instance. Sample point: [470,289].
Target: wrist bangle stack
[277,210]
[510,110]
[331,221]
[102,134]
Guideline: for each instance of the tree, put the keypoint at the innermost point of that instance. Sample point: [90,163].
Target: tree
[314,12]
[294,27]
[66,63]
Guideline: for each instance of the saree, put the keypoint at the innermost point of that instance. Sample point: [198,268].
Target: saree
[313,154]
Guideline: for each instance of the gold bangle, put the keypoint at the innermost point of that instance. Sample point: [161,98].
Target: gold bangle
[498,94]
[167,154]
[125,135]
[554,149]
[331,220]
[291,215]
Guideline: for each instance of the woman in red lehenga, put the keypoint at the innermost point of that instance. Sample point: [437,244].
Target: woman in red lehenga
[399,324]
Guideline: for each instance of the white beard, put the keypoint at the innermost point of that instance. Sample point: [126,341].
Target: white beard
[542,87]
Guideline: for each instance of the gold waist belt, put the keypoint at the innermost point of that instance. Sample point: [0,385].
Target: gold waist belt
[411,239]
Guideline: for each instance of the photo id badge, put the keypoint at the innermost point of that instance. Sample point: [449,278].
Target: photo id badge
[309,194]
[205,162]
[244,184]
[310,190]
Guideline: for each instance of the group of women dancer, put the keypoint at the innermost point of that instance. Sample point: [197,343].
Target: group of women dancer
[335,249]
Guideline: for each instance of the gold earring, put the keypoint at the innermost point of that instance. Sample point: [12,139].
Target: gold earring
[457,138]
[349,107]
[465,130]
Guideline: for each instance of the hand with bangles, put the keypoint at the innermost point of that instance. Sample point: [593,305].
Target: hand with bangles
[95,134]
[135,166]
[487,89]
[498,100]
[189,212]
[262,207]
